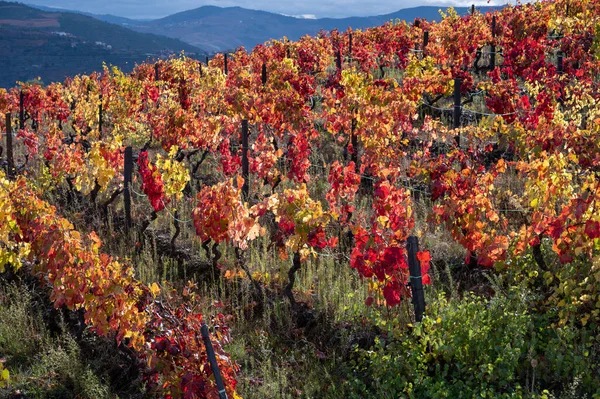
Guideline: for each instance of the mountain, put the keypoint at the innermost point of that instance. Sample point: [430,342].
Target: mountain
[113,19]
[53,45]
[218,29]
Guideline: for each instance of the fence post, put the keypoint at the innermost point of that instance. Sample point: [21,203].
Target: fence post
[245,166]
[10,171]
[350,45]
[354,141]
[416,281]
[225,64]
[559,62]
[264,74]
[210,353]
[100,116]
[425,40]
[21,110]
[493,47]
[127,181]
[457,108]
[338,60]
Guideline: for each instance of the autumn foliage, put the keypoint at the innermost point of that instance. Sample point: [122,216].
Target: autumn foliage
[524,179]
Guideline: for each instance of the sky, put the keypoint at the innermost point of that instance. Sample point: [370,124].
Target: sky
[149,9]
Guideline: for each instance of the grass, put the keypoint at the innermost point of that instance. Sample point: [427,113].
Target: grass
[51,363]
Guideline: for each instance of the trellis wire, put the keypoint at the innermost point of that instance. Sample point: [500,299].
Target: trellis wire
[136,193]
[165,205]
[463,109]
[173,216]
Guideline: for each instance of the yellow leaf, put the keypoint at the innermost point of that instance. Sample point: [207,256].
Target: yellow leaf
[382,219]
[585,319]
[229,274]
[154,289]
[501,166]
[534,202]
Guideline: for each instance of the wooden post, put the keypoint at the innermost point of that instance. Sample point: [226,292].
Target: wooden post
[10,172]
[207,60]
[225,65]
[416,280]
[201,70]
[127,172]
[156,74]
[245,165]
[473,9]
[338,60]
[100,116]
[559,62]
[214,366]
[354,141]
[425,42]
[457,108]
[264,74]
[350,45]
[21,110]
[493,47]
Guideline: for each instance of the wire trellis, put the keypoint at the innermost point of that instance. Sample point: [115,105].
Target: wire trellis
[136,193]
[165,205]
[173,216]
[466,110]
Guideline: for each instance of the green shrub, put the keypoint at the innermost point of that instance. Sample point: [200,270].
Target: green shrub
[478,348]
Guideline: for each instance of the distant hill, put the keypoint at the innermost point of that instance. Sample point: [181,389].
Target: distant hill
[113,19]
[217,29]
[53,45]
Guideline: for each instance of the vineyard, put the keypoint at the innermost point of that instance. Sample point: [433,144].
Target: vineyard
[292,187]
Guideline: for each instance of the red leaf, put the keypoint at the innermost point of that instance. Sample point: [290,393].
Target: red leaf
[392,259]
[426,279]
[424,256]
[592,229]
[391,293]
[382,191]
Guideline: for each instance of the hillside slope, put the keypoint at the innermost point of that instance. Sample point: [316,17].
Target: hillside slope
[217,29]
[53,45]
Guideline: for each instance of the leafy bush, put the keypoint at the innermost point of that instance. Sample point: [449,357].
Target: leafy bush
[475,347]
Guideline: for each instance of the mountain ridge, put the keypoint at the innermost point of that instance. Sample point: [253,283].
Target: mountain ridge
[218,29]
[53,45]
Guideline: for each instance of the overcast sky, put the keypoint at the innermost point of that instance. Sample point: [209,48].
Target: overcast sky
[318,8]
